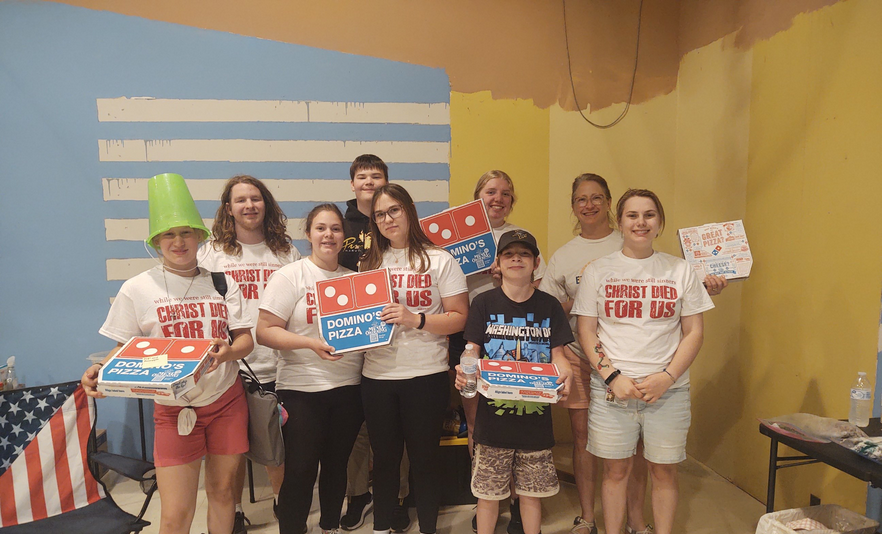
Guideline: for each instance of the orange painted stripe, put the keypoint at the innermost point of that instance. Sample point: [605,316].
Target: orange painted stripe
[62,469]
[35,480]
[8,516]
[84,427]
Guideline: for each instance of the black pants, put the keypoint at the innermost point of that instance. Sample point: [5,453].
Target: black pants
[321,428]
[410,412]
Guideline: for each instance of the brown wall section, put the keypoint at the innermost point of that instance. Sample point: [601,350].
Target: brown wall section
[513,48]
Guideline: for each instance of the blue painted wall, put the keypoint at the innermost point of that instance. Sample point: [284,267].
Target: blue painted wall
[55,61]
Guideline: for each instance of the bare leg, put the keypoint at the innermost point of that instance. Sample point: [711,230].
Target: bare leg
[177,496]
[637,490]
[531,514]
[276,475]
[488,511]
[665,494]
[239,482]
[614,492]
[220,474]
[583,462]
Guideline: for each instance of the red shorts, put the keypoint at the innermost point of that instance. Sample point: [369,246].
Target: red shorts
[221,428]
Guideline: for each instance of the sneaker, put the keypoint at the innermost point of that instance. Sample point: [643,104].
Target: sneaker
[356,511]
[475,524]
[580,526]
[515,526]
[647,530]
[239,523]
[400,518]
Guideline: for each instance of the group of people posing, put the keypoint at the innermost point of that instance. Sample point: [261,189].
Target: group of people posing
[622,322]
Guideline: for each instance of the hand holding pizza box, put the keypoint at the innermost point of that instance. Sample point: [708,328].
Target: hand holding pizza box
[155,368]
[717,248]
[513,380]
[349,310]
[465,232]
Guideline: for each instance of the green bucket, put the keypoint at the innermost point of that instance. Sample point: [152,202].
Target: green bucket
[171,205]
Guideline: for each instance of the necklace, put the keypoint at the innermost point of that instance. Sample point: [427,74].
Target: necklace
[396,257]
[173,315]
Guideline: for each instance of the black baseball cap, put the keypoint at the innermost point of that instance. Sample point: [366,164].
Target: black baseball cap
[517,236]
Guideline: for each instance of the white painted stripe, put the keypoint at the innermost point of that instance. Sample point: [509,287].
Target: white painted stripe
[74,454]
[123,269]
[20,485]
[138,229]
[47,461]
[147,109]
[287,190]
[248,150]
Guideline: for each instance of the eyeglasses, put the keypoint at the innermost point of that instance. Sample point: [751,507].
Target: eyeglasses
[394,212]
[597,200]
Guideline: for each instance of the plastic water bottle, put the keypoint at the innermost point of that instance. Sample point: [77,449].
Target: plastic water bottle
[861,401]
[469,364]
[11,381]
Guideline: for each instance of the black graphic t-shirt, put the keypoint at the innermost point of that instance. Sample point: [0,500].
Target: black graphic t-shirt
[356,229]
[493,323]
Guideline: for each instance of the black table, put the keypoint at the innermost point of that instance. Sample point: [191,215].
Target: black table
[831,454]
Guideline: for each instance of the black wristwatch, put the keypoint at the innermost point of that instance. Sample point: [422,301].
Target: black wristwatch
[608,380]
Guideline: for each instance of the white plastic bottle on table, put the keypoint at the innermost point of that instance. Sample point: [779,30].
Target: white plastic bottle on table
[11,381]
[469,364]
[861,401]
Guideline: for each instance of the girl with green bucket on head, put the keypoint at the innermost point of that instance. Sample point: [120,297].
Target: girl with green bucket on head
[178,299]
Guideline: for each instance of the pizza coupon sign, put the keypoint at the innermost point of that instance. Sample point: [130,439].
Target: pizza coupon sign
[465,232]
[349,310]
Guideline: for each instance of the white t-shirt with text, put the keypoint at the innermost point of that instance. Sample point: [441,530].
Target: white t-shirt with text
[252,271]
[144,308]
[638,304]
[290,295]
[415,352]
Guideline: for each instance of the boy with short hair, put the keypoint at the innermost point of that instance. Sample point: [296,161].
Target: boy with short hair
[513,439]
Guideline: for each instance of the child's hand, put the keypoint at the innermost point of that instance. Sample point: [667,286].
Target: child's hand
[460,381]
[565,378]
[90,381]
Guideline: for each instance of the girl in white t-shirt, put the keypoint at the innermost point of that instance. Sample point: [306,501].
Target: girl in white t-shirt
[179,299]
[249,242]
[641,325]
[405,385]
[319,390]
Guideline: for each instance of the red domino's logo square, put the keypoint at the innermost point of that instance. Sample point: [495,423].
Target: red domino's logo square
[545,369]
[440,228]
[335,296]
[187,349]
[141,347]
[470,220]
[371,288]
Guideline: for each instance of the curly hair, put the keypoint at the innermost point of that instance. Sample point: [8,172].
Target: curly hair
[275,230]
[417,241]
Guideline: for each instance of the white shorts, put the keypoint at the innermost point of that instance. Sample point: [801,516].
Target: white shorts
[613,429]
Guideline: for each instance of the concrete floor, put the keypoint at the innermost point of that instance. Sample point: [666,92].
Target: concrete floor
[708,504]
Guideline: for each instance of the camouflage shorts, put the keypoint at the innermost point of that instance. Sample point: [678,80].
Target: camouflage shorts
[493,468]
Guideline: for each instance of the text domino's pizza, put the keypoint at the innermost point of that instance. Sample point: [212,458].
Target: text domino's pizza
[513,380]
[349,310]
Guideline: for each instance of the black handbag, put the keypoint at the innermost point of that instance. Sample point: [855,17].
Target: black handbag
[266,446]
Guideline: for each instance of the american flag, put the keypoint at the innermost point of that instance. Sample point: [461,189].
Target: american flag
[44,432]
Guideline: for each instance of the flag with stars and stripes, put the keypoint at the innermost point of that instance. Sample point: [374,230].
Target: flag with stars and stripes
[44,432]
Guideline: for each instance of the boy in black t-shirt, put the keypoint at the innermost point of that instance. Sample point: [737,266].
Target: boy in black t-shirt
[513,439]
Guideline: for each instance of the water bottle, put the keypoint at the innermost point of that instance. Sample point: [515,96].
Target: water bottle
[861,401]
[11,381]
[469,364]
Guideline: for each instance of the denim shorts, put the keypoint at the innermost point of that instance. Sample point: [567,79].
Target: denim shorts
[615,427]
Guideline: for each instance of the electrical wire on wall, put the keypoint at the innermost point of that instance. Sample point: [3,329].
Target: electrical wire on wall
[633,75]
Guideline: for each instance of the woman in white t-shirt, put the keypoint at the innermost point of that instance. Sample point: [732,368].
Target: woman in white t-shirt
[405,385]
[249,242]
[641,325]
[179,299]
[319,390]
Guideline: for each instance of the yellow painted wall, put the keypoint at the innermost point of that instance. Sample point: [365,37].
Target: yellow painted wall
[810,313]
[510,135]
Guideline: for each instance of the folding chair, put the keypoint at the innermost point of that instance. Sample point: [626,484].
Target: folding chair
[46,484]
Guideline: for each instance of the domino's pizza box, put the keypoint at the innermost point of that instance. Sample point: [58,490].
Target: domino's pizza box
[717,248]
[349,310]
[512,380]
[465,232]
[155,368]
